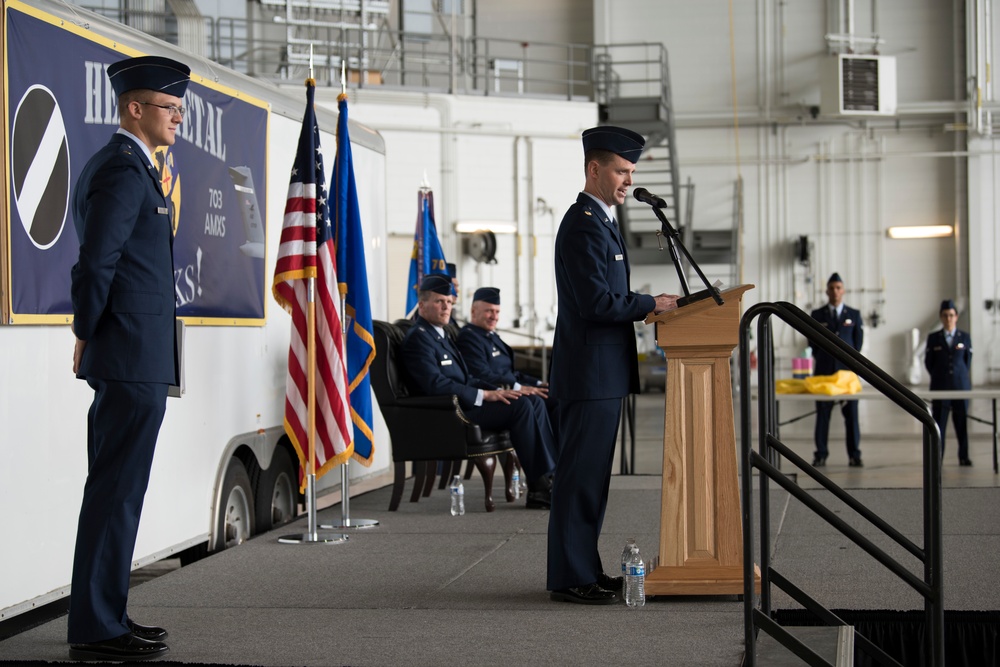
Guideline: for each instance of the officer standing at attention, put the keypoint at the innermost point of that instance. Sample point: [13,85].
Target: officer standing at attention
[845,322]
[947,358]
[433,366]
[123,319]
[594,363]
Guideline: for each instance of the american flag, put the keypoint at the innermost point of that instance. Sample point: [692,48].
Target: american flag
[306,251]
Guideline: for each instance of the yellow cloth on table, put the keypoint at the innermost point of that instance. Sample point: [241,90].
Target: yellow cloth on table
[841,382]
[790,386]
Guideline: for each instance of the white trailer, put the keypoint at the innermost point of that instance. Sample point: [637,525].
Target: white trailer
[223,468]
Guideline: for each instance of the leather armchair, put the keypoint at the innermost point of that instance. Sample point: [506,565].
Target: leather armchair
[427,429]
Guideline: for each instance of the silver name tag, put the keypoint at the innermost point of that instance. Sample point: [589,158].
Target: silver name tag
[496,353]
[619,258]
[446,362]
[162,210]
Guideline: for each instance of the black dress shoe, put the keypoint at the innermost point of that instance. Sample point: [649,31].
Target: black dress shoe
[964,462]
[610,583]
[539,500]
[148,632]
[125,647]
[819,461]
[856,463]
[589,594]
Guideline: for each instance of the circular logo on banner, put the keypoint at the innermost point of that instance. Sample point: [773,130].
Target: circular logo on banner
[39,166]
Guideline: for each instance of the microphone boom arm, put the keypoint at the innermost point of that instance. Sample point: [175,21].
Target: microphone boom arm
[673,242]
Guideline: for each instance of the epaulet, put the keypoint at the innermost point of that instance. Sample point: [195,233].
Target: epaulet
[125,149]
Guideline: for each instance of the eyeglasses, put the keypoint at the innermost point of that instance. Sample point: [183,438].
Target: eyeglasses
[171,109]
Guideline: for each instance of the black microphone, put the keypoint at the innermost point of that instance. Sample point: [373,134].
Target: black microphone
[647,197]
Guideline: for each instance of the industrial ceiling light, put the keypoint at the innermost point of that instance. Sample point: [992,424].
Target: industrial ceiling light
[920,232]
[497,227]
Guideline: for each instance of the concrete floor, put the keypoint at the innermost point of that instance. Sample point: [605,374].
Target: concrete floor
[494,572]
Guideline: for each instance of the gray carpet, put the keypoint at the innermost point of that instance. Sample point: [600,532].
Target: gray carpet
[426,588]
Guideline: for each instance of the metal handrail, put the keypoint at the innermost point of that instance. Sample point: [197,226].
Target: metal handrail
[410,60]
[766,459]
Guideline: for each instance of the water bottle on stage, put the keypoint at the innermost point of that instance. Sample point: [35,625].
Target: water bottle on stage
[635,578]
[457,496]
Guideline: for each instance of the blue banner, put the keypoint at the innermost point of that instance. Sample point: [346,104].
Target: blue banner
[61,110]
[427,256]
[353,278]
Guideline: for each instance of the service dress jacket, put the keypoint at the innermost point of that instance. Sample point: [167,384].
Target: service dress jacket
[593,353]
[949,366]
[491,359]
[123,282]
[433,366]
[848,327]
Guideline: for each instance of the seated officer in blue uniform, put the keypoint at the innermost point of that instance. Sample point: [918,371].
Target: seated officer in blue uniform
[433,366]
[488,357]
[123,317]
[594,363]
[947,358]
[845,322]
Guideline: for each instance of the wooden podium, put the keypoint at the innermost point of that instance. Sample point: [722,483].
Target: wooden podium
[701,538]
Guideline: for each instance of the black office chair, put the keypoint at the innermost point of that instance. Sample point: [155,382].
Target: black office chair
[427,429]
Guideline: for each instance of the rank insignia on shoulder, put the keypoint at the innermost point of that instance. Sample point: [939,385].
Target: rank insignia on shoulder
[586,212]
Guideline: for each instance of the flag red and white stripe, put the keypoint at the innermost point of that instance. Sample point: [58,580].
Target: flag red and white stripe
[306,252]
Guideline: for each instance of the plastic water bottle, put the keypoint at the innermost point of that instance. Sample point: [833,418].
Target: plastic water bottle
[629,545]
[457,497]
[515,483]
[635,579]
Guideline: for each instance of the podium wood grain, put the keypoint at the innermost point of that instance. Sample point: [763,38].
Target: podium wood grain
[701,538]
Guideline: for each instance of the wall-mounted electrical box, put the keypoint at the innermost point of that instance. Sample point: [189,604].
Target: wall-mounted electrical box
[858,85]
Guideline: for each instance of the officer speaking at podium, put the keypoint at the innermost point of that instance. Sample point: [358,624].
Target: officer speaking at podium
[594,363]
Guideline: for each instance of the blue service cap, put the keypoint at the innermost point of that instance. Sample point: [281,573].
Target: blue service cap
[151,72]
[436,282]
[947,304]
[834,278]
[618,140]
[487,294]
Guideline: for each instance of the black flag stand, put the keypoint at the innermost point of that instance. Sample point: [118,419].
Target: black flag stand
[673,243]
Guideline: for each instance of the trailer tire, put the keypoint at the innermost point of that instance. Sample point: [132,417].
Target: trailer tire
[234,520]
[276,498]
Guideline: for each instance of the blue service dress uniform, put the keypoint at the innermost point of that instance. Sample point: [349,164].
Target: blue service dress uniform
[948,365]
[433,366]
[491,359]
[850,329]
[594,365]
[123,307]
